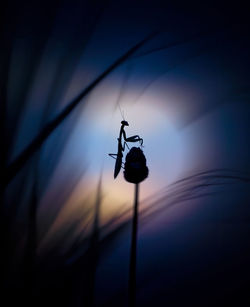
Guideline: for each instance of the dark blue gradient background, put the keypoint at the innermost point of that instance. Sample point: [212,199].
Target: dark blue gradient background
[186,92]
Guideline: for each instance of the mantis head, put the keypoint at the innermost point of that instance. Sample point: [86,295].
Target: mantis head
[125,123]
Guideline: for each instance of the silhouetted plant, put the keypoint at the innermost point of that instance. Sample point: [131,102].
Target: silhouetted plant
[135,166]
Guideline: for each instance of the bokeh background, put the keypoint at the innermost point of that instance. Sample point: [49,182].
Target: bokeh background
[65,221]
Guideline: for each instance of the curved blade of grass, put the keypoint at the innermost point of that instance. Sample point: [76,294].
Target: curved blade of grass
[20,161]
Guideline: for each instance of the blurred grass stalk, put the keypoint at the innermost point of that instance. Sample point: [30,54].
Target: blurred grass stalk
[34,146]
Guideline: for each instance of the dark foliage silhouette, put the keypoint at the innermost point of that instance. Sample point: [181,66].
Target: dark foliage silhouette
[135,167]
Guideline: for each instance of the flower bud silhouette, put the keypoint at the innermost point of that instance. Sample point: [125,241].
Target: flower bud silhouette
[135,166]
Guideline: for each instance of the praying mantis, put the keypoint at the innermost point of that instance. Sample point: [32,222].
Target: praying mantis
[121,147]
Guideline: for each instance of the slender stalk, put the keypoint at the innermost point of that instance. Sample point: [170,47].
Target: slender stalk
[132,268]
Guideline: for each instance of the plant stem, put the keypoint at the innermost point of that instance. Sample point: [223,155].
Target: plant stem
[132,269]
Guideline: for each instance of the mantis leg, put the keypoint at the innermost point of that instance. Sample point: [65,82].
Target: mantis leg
[134,138]
[125,144]
[113,155]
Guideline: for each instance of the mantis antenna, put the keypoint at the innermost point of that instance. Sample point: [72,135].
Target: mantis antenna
[122,112]
[123,88]
[123,117]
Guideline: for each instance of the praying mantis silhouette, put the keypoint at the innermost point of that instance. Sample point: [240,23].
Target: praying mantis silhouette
[121,147]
